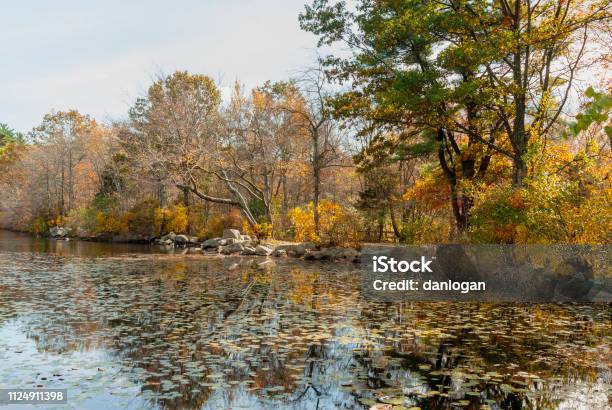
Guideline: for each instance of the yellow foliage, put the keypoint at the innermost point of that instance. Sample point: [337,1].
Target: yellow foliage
[431,192]
[173,219]
[337,225]
[303,223]
[550,208]
[57,221]
[261,230]
[216,224]
[106,223]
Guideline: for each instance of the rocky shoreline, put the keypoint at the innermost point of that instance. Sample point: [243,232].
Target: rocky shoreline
[232,242]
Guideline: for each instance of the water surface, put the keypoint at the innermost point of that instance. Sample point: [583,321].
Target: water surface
[125,326]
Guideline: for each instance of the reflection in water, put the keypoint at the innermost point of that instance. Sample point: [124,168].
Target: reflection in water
[177,332]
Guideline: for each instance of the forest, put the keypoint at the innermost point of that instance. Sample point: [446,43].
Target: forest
[421,122]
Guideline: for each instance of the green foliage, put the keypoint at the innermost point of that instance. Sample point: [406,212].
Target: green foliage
[597,110]
[9,135]
[546,210]
[258,209]
[10,143]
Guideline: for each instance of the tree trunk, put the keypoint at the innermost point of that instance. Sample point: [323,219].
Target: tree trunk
[186,202]
[315,200]
[396,230]
[519,171]
[161,197]
[316,169]
[519,137]
[70,182]
[459,203]
[285,194]
[381,227]
[61,211]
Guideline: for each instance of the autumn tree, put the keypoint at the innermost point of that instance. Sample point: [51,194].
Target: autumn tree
[182,133]
[412,98]
[310,108]
[63,141]
[11,143]
[463,80]
[176,133]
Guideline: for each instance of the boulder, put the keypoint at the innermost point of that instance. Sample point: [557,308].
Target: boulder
[181,240]
[232,234]
[334,254]
[193,240]
[315,255]
[213,243]
[170,236]
[233,248]
[59,232]
[193,250]
[232,241]
[296,249]
[262,250]
[246,238]
[289,249]
[279,253]
[351,255]
[249,250]
[164,242]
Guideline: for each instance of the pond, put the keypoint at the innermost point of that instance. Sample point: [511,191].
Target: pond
[128,327]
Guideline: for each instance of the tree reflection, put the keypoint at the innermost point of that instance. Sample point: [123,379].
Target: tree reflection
[217,333]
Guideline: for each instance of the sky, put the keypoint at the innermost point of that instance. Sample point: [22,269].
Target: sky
[99,56]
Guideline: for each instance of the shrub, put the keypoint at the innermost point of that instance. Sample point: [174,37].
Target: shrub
[546,210]
[218,223]
[338,226]
[172,219]
[261,230]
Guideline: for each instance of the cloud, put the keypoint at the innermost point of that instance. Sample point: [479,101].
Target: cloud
[100,67]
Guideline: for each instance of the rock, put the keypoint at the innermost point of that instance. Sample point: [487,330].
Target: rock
[263,250]
[248,250]
[279,253]
[351,255]
[232,241]
[315,255]
[213,243]
[336,254]
[296,249]
[232,234]
[193,240]
[59,232]
[170,236]
[181,240]
[82,233]
[246,238]
[233,248]
[164,242]
[194,250]
[289,249]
